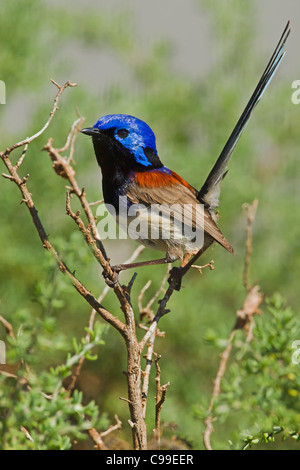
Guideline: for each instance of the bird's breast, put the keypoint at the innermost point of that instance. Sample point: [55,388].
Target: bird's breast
[158,178]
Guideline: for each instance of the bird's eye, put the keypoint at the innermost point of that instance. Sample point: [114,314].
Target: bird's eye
[122,133]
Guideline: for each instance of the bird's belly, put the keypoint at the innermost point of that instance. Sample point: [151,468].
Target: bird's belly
[157,230]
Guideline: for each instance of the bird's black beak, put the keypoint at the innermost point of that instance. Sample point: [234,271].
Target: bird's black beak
[103,144]
[90,131]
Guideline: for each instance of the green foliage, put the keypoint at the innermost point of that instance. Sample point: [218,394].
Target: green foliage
[36,409]
[53,421]
[260,392]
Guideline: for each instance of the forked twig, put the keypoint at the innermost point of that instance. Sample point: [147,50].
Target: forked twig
[97,437]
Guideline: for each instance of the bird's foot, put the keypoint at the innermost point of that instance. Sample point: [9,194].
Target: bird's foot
[176,274]
[111,281]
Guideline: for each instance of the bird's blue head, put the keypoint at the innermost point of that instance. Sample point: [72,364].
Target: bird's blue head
[124,141]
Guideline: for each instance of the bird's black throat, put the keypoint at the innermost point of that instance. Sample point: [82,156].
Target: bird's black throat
[117,164]
[113,156]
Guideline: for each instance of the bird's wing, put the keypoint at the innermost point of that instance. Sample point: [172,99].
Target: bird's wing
[210,191]
[176,194]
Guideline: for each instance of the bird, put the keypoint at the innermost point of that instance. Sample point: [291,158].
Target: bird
[126,151]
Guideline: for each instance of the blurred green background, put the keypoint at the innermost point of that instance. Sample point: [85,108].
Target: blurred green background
[187,69]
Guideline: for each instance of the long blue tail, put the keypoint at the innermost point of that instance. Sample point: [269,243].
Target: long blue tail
[210,191]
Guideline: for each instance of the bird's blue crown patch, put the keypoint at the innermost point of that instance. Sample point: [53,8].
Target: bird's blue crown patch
[133,133]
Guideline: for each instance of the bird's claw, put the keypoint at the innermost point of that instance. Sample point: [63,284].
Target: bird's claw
[176,274]
[111,281]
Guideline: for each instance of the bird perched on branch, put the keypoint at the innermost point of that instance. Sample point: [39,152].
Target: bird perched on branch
[126,152]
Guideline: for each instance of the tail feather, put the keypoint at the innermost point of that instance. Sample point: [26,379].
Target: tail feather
[210,191]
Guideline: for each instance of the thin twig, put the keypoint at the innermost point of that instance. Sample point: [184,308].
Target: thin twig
[141,296]
[251,212]
[97,437]
[71,137]
[146,372]
[209,265]
[150,344]
[96,203]
[20,161]
[28,140]
[147,309]
[216,391]
[244,318]
[161,391]
[159,290]
[113,427]
[27,434]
